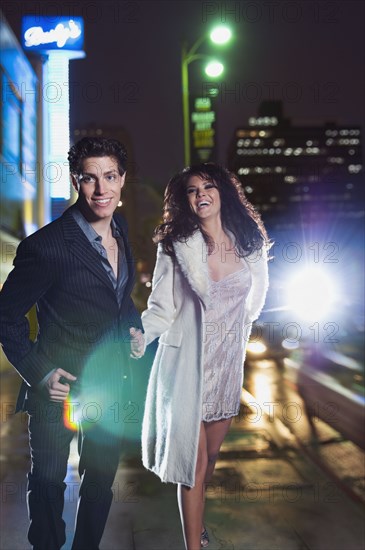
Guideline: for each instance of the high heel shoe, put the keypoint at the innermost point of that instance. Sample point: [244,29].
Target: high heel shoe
[204,539]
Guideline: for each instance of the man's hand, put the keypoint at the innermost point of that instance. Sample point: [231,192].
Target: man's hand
[58,391]
[137,343]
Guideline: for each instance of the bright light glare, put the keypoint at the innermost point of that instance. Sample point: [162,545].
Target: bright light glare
[220,35]
[214,69]
[311,294]
[290,344]
[58,108]
[256,347]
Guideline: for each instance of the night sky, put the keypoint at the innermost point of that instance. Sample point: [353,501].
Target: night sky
[308,54]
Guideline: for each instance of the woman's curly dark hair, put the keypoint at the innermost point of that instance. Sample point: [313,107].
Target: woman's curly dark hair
[237,213]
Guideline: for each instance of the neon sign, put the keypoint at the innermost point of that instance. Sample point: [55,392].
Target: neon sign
[48,33]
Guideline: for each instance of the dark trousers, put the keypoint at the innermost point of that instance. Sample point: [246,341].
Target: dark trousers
[99,449]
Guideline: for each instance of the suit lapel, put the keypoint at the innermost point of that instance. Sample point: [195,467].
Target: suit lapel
[80,246]
[129,260]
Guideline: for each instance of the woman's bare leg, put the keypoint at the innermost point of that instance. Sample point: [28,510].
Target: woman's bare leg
[191,501]
[215,434]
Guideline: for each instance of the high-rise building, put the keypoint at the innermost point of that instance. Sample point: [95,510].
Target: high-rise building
[288,170]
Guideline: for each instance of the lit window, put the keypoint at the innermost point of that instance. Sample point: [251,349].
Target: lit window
[354,168]
[244,171]
[335,160]
[248,189]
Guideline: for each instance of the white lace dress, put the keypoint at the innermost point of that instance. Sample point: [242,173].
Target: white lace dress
[223,334]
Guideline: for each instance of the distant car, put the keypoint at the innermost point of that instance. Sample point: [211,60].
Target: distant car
[268,342]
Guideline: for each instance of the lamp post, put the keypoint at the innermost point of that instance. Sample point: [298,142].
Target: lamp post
[219,35]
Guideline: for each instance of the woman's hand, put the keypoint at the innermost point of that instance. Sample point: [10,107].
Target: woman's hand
[137,343]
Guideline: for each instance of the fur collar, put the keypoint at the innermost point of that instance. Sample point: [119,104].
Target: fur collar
[192,257]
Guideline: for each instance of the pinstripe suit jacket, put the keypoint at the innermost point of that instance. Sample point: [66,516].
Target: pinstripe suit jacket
[79,321]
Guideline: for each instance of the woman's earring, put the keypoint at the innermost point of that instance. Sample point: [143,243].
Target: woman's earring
[120,203]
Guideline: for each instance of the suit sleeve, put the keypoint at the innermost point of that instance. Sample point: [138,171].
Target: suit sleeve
[160,312]
[134,318]
[25,285]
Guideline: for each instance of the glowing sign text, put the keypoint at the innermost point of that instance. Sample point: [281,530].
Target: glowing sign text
[60,35]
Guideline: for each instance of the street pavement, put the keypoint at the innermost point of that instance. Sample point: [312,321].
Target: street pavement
[266,494]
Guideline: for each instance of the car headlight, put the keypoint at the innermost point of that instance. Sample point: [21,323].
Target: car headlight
[256,347]
[311,294]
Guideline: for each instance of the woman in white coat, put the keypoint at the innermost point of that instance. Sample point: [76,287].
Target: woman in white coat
[209,285]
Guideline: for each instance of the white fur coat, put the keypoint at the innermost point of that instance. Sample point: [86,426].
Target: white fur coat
[175,314]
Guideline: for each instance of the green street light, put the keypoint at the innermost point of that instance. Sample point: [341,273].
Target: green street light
[219,35]
[214,69]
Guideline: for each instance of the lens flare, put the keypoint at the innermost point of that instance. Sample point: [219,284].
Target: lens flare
[69,416]
[311,294]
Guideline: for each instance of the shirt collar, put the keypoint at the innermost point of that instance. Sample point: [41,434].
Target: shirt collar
[88,229]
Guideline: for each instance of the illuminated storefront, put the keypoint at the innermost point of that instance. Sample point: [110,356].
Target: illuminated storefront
[55,41]
[18,147]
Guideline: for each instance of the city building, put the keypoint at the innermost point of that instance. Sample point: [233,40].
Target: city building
[51,43]
[34,125]
[288,169]
[19,152]
[19,96]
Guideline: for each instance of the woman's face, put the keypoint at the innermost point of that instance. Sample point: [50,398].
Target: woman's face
[203,197]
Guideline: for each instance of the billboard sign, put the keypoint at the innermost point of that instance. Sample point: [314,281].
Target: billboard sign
[202,128]
[52,33]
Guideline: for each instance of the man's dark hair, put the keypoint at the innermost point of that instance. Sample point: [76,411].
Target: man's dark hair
[96,147]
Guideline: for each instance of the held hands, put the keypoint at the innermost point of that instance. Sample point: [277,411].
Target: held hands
[58,390]
[137,343]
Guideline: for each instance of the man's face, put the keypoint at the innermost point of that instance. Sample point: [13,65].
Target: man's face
[98,187]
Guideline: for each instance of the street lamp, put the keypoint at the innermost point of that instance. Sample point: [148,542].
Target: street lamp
[219,35]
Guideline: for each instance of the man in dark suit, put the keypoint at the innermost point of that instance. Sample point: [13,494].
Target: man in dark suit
[79,272]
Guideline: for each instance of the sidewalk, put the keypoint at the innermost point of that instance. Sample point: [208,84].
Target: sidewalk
[265,496]
[262,498]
